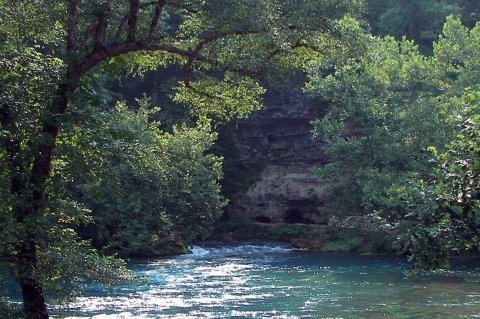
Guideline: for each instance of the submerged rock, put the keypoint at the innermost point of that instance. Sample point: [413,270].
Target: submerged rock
[306,243]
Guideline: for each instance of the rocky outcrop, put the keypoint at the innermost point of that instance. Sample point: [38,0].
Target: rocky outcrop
[280,136]
[284,193]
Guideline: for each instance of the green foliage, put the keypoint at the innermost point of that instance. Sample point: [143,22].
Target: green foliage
[420,21]
[233,97]
[159,85]
[285,232]
[457,56]
[68,261]
[26,20]
[55,171]
[470,11]
[28,82]
[388,105]
[343,246]
[341,239]
[143,184]
[10,311]
[372,129]
[446,207]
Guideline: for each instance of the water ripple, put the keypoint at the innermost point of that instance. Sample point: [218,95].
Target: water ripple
[255,280]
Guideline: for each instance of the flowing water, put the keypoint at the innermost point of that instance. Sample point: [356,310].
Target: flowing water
[268,280]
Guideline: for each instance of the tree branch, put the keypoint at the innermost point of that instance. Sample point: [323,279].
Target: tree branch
[221,35]
[8,124]
[71,26]
[43,160]
[101,30]
[209,39]
[117,49]
[156,17]
[132,20]
[159,4]
[88,33]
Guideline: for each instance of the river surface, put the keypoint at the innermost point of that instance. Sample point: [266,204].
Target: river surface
[270,280]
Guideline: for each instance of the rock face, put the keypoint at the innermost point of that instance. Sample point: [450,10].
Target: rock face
[280,136]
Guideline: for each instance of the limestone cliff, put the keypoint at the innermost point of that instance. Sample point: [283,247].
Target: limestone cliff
[280,137]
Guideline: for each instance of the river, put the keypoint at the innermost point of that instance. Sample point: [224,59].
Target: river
[271,280]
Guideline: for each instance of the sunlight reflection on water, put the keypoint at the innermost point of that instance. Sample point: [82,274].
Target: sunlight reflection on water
[265,280]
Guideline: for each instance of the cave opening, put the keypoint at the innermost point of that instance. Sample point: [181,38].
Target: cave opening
[297,216]
[263,219]
[271,138]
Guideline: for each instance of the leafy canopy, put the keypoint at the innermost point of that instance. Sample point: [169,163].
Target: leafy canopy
[388,105]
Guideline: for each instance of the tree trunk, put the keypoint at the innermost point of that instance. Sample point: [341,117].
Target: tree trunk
[32,293]
[26,259]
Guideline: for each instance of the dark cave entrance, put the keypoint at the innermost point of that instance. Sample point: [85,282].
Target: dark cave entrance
[263,219]
[302,212]
[297,216]
[271,138]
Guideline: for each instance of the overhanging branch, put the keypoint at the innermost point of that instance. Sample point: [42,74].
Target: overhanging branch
[117,49]
[71,26]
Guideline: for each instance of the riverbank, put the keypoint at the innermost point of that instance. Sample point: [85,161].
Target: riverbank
[312,237]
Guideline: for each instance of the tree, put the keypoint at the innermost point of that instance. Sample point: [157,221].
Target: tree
[446,207]
[382,113]
[420,21]
[27,80]
[142,185]
[388,105]
[471,12]
[444,203]
[222,46]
